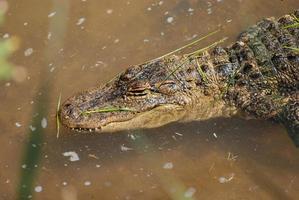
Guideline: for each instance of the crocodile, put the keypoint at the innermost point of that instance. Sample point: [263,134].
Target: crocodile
[257,76]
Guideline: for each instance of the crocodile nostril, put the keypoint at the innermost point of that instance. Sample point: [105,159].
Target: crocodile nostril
[67,105]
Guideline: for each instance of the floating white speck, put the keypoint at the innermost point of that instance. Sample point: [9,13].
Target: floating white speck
[229,20]
[146,40]
[51,14]
[64,183]
[215,135]
[73,156]
[28,52]
[190,192]
[44,123]
[25,23]
[109,11]
[7,84]
[149,8]
[190,10]
[80,21]
[169,19]
[160,3]
[18,124]
[132,136]
[179,134]
[87,183]
[32,128]
[168,165]
[24,166]
[124,148]
[49,35]
[98,166]
[6,35]
[223,179]
[38,188]
[116,40]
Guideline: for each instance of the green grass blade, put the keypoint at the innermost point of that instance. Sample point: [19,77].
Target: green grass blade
[295,49]
[197,52]
[186,46]
[57,116]
[108,109]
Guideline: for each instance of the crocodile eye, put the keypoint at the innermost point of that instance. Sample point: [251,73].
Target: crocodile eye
[138,91]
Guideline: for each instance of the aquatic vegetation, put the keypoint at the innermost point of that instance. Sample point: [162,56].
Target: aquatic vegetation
[108,109]
[7,47]
[295,49]
[57,116]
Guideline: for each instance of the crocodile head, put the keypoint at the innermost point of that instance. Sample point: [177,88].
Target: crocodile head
[143,96]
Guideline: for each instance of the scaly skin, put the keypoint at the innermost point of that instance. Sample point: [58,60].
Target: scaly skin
[258,75]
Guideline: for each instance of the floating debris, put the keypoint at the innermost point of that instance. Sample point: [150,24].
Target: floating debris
[18,124]
[215,135]
[80,21]
[44,123]
[87,183]
[170,19]
[73,156]
[190,192]
[179,134]
[38,188]
[49,35]
[32,128]
[98,166]
[51,14]
[124,148]
[5,36]
[109,11]
[223,179]
[168,165]
[231,157]
[93,156]
[28,52]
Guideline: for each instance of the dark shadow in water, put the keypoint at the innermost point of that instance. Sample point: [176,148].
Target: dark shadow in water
[33,148]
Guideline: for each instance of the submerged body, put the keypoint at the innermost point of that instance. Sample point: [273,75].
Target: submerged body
[258,76]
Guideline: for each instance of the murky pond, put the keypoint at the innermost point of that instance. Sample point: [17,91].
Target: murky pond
[66,46]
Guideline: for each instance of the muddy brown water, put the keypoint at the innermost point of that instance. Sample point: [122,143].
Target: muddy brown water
[67,46]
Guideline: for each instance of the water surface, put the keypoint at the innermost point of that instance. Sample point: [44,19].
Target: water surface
[67,46]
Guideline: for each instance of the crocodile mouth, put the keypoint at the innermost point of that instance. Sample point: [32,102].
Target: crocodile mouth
[119,120]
